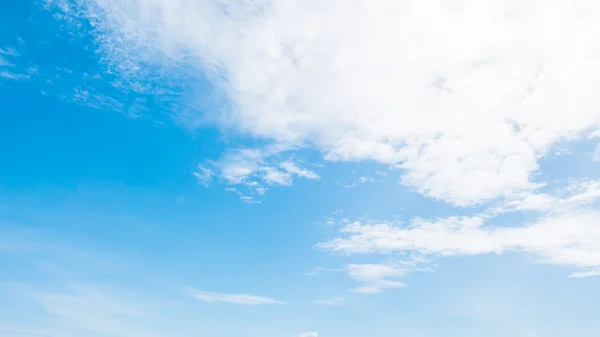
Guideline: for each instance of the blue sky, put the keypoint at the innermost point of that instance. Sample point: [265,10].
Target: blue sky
[299,168]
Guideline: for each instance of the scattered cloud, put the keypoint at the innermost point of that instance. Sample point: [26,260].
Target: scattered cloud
[596,156]
[244,198]
[361,180]
[243,299]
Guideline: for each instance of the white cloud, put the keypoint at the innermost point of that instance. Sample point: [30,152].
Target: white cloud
[253,168]
[596,156]
[244,299]
[564,233]
[333,301]
[571,239]
[575,195]
[464,96]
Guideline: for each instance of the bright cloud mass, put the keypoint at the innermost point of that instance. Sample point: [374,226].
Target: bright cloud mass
[395,151]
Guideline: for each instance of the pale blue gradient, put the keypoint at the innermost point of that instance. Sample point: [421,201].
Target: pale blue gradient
[104,228]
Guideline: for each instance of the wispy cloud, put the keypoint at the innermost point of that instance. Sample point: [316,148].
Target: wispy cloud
[13,76]
[563,239]
[5,63]
[8,69]
[95,99]
[292,168]
[589,273]
[9,51]
[361,180]
[204,175]
[309,334]
[244,299]
[333,301]
[376,277]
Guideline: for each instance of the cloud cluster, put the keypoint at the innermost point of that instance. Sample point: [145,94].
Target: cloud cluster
[569,239]
[253,170]
[566,232]
[464,96]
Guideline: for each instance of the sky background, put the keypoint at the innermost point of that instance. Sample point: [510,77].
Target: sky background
[299,168]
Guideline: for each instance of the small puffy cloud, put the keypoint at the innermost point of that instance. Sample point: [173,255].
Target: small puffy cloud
[243,299]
